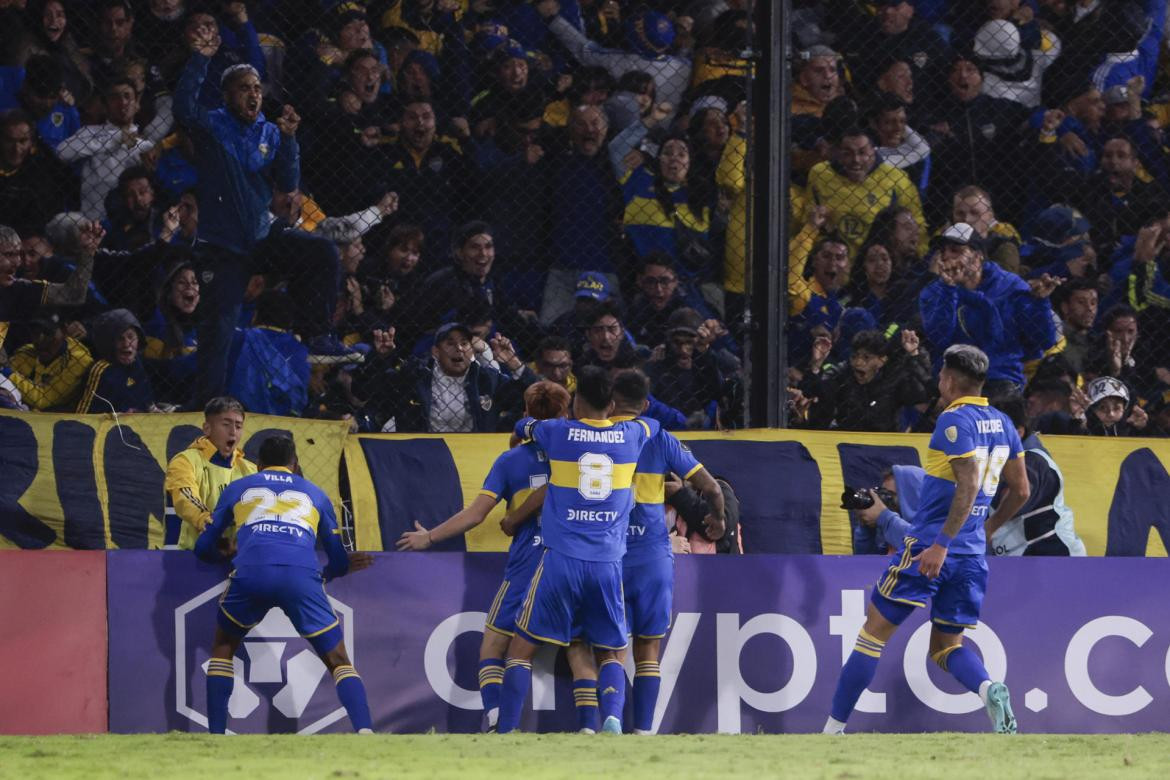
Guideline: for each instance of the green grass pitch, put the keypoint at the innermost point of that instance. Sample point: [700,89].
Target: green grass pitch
[899,756]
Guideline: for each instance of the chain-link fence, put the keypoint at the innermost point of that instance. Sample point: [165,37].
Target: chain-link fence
[399,213]
[992,173]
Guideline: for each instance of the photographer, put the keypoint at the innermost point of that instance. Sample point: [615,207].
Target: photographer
[883,514]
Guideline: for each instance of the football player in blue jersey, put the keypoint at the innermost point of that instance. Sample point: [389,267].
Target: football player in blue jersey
[584,521]
[973,447]
[278,517]
[514,476]
[648,565]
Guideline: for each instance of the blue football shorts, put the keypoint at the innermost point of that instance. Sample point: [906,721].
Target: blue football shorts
[956,595]
[569,596]
[299,592]
[649,588]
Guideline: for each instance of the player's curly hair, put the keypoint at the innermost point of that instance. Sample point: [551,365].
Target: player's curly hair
[545,400]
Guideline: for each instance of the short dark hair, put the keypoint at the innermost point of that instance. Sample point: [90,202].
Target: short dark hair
[854,131]
[871,341]
[1014,407]
[222,405]
[1076,284]
[107,5]
[659,258]
[279,450]
[15,117]
[602,309]
[552,344]
[594,386]
[118,81]
[885,103]
[468,230]
[404,235]
[352,58]
[131,174]
[631,388]
[1117,312]
[1048,387]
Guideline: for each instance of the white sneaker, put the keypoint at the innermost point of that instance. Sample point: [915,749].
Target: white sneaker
[586,731]
[365,731]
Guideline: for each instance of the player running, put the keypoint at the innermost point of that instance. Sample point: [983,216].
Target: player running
[972,446]
[513,478]
[578,581]
[278,516]
[648,565]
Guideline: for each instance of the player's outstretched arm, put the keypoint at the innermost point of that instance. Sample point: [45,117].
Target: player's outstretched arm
[456,525]
[703,482]
[1015,493]
[966,471]
[526,512]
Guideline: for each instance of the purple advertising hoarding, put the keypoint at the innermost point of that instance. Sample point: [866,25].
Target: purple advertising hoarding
[756,645]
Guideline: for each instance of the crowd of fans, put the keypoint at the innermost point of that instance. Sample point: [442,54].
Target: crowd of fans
[399,213]
[993,172]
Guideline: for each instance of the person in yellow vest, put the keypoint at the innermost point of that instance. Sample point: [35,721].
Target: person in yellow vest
[198,475]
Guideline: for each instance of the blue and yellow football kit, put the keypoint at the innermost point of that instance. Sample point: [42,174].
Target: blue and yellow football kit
[514,475]
[584,524]
[278,517]
[968,428]
[648,565]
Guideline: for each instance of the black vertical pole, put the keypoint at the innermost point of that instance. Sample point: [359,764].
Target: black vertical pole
[767,304]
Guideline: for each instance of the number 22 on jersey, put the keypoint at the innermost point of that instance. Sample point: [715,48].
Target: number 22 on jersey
[289,506]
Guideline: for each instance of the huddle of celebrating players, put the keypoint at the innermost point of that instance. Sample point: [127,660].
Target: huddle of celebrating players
[590,564]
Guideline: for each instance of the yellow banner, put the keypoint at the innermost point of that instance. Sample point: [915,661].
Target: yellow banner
[1091,468]
[96,481]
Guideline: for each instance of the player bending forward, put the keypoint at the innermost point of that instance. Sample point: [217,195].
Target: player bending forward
[972,445]
[278,516]
[517,474]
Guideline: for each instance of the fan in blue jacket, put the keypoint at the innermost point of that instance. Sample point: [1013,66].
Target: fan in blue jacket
[976,302]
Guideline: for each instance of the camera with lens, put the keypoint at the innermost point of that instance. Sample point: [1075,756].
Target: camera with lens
[860,498]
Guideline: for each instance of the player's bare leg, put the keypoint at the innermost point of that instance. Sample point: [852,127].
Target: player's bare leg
[858,671]
[580,657]
[491,673]
[221,679]
[350,689]
[947,650]
[517,679]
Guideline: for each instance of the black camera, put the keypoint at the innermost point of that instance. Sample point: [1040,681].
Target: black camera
[859,498]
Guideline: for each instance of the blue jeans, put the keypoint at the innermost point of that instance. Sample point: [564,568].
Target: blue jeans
[223,277]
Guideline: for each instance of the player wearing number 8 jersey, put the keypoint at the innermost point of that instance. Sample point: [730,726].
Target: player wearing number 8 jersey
[279,516]
[973,447]
[584,520]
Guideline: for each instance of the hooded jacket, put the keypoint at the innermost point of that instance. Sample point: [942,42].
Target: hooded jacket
[111,386]
[1000,316]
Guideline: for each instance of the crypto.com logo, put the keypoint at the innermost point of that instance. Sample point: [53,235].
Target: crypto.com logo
[264,649]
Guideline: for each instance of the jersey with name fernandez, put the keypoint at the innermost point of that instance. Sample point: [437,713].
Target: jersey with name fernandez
[968,428]
[591,474]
